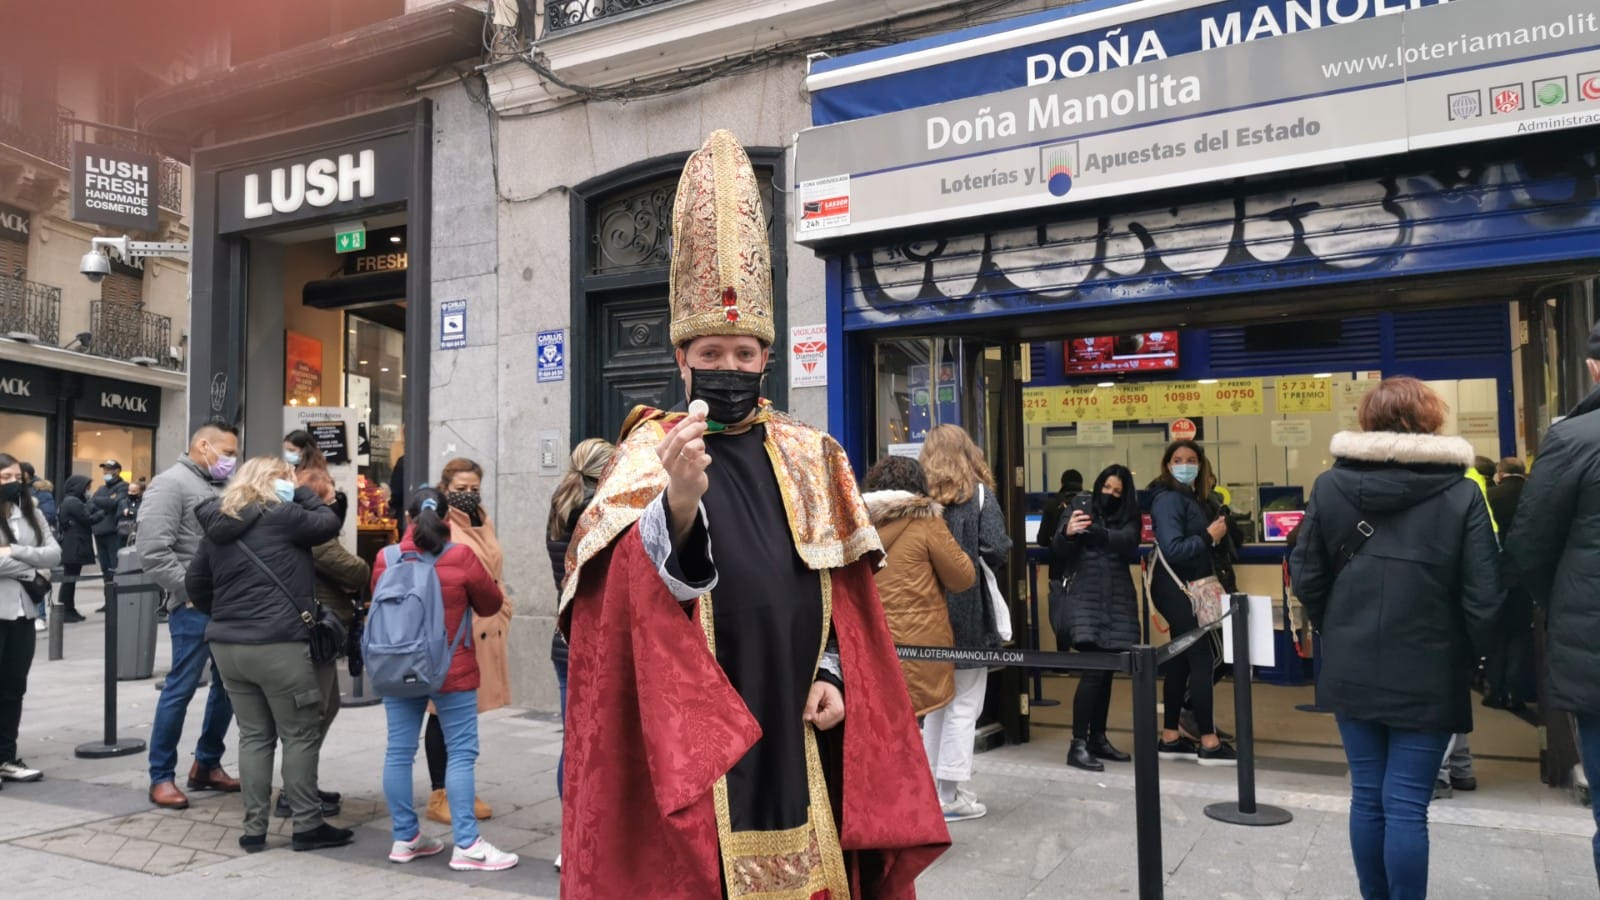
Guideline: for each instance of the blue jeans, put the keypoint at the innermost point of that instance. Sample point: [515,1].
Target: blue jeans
[1589,746]
[190,656]
[561,762]
[458,717]
[1391,784]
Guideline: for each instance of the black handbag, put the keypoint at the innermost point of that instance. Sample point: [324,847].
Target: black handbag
[327,632]
[37,588]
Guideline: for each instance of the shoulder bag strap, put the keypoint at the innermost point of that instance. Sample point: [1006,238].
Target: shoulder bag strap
[305,613]
[1354,538]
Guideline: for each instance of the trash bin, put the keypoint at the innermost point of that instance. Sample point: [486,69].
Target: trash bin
[136,618]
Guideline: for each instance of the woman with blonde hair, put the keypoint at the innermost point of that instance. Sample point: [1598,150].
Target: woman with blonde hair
[589,461]
[461,483]
[255,578]
[959,478]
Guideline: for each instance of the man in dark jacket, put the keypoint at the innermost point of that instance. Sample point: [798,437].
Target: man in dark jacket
[106,508]
[1055,516]
[1555,545]
[1510,666]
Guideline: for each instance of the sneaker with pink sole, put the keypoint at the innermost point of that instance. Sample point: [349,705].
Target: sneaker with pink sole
[482,856]
[416,848]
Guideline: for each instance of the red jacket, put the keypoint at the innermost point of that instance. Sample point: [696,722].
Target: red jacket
[462,580]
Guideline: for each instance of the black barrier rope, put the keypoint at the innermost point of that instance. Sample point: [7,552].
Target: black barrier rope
[1143,663]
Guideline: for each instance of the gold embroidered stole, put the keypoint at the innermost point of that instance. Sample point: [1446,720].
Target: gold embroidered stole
[796,863]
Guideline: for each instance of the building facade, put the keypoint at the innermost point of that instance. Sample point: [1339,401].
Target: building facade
[89,371]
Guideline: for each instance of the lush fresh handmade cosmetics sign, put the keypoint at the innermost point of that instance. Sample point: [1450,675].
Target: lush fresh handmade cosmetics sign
[1439,75]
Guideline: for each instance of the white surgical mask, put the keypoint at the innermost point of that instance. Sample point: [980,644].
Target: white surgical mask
[291,457]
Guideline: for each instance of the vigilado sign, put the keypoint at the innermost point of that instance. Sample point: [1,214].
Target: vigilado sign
[320,183]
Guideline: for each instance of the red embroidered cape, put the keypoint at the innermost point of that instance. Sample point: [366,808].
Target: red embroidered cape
[652,724]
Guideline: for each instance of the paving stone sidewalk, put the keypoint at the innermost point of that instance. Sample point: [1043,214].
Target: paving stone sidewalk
[87,829]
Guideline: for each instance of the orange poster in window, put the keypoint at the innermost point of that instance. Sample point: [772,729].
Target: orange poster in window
[302,364]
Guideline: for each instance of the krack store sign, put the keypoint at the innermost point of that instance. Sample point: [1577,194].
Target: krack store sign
[28,388]
[121,402]
[14,223]
[315,184]
[116,187]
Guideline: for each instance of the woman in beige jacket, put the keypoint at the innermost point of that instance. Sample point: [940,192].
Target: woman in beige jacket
[922,562]
[461,483]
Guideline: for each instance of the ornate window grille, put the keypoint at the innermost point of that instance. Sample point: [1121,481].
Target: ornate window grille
[124,331]
[30,308]
[561,14]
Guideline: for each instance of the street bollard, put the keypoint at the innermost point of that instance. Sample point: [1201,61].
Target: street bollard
[55,627]
[1246,811]
[1147,774]
[110,746]
[358,696]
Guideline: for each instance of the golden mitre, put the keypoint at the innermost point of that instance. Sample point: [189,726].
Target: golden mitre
[721,264]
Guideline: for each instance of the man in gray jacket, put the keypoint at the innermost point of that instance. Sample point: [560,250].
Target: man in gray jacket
[168,539]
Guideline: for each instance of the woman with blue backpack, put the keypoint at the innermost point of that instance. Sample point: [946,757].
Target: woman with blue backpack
[423,588]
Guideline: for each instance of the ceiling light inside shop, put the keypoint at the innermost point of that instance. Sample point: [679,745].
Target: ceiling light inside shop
[1106,384]
[1208,381]
[363,362]
[1323,375]
[395,239]
[384,369]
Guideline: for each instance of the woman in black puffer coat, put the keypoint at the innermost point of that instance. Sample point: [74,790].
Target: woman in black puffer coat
[77,542]
[1397,566]
[1095,607]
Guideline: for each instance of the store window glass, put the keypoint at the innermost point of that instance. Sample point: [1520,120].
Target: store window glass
[927,382]
[375,384]
[1267,438]
[93,443]
[23,437]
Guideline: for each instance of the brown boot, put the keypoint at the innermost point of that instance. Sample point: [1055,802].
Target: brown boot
[167,796]
[439,807]
[203,779]
[481,809]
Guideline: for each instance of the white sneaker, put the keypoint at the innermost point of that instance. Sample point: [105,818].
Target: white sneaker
[964,807]
[558,861]
[17,770]
[39,625]
[482,856]
[416,848]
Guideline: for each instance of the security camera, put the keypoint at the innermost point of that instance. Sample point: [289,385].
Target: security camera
[95,266]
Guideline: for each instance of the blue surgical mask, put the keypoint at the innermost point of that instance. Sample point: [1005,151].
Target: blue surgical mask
[1186,473]
[291,457]
[284,489]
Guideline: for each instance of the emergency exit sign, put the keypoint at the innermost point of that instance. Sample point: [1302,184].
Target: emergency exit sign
[350,238]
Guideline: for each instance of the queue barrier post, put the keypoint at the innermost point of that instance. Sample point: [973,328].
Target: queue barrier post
[1245,811]
[1146,774]
[111,746]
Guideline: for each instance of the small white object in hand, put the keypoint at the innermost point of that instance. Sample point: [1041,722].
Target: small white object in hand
[699,408]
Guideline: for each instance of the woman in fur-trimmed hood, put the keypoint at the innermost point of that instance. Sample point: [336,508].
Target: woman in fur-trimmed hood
[1397,566]
[922,562]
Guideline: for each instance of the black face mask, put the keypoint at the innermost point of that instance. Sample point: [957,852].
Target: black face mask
[468,502]
[730,395]
[12,492]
